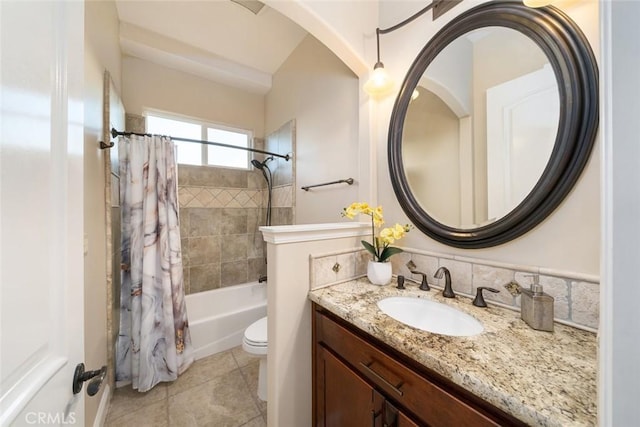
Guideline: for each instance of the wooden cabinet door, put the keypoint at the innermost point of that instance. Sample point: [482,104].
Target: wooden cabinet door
[404,421]
[344,399]
[393,417]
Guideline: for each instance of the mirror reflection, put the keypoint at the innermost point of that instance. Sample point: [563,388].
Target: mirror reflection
[481,127]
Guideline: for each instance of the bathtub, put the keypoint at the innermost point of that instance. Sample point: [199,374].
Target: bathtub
[218,318]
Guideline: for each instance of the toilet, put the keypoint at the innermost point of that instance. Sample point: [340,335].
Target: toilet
[254,342]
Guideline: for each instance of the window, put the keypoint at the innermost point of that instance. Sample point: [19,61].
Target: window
[190,153]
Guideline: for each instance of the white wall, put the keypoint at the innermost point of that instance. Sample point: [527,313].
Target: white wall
[345,27]
[569,239]
[147,85]
[289,362]
[433,168]
[316,89]
[619,347]
[102,52]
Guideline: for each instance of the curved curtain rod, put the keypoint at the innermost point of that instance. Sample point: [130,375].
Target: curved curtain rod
[115,133]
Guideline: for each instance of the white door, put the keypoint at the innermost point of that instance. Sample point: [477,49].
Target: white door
[41,222]
[522,123]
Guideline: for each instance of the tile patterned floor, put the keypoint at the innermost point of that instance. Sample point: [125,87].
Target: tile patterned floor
[217,391]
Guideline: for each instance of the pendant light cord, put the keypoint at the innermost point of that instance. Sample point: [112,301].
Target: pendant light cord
[399,25]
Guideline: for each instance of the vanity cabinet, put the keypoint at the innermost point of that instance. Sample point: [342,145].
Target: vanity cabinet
[360,381]
[348,400]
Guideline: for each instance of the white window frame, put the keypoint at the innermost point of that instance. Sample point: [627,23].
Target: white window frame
[204,126]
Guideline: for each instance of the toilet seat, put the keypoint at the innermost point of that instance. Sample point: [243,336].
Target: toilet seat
[255,343]
[255,337]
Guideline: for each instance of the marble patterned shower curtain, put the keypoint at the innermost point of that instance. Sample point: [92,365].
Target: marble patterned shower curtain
[154,343]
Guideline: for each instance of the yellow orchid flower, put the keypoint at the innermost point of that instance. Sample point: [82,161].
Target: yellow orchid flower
[380,249]
[387,236]
[398,231]
[377,217]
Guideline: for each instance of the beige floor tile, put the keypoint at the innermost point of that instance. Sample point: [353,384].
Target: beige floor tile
[242,357]
[250,373]
[126,400]
[224,401]
[153,415]
[202,371]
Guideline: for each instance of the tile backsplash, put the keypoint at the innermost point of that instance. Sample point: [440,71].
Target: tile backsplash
[576,296]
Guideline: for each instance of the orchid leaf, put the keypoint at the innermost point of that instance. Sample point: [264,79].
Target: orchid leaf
[388,252]
[369,247]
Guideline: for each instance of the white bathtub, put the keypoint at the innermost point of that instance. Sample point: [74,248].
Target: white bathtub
[218,318]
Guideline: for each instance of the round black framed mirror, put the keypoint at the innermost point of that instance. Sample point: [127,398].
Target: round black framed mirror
[520,146]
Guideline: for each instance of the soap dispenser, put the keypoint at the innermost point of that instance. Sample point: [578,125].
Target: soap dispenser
[537,307]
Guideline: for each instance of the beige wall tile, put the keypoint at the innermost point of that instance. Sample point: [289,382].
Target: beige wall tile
[426,264]
[585,308]
[233,273]
[230,178]
[362,259]
[203,222]
[399,264]
[184,247]
[347,264]
[257,267]
[493,278]
[204,278]
[233,221]
[204,250]
[233,247]
[461,275]
[323,270]
[186,282]
[559,290]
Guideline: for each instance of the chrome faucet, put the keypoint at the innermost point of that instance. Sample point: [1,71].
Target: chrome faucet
[448,291]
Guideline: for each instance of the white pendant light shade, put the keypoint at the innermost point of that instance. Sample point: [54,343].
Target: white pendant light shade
[379,83]
[537,3]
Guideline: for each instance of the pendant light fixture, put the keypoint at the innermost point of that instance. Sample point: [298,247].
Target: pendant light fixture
[380,83]
[536,3]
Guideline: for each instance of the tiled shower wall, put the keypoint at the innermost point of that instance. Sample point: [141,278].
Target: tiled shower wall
[283,141]
[221,210]
[576,296]
[220,213]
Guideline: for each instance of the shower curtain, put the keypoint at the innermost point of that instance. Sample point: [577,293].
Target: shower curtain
[154,343]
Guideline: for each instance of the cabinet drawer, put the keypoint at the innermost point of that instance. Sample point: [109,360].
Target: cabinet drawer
[428,401]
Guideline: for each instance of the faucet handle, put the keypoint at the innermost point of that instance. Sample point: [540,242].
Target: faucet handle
[424,285]
[479,299]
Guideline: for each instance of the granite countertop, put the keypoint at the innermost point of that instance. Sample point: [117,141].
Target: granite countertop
[541,378]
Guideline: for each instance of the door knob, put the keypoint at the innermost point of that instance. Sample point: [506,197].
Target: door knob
[96,377]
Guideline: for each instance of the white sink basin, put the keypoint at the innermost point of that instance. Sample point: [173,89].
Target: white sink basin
[430,316]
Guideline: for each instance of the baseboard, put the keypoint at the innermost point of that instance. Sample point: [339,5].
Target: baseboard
[103,408]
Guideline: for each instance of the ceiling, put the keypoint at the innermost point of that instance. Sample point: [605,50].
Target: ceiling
[215,39]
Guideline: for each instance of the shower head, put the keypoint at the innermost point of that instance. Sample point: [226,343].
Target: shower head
[261,165]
